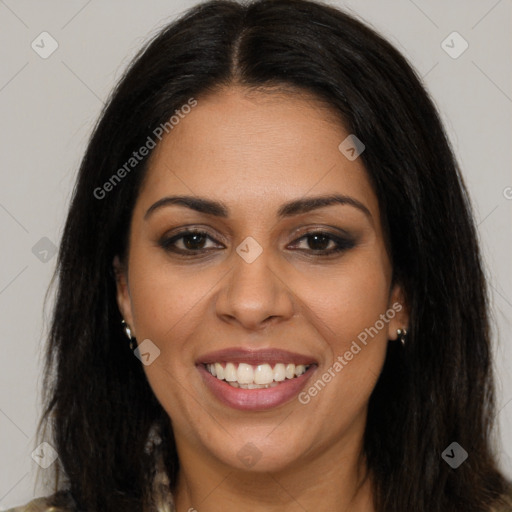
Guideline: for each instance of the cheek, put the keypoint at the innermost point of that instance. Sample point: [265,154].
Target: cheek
[349,299]
[169,307]
[349,306]
[166,299]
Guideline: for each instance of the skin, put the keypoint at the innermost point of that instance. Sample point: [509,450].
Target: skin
[254,151]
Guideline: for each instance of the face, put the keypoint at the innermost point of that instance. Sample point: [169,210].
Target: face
[248,277]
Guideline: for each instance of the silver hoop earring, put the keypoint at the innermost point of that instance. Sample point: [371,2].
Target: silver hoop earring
[129,335]
[402,335]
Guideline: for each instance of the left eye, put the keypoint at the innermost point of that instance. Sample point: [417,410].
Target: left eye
[320,242]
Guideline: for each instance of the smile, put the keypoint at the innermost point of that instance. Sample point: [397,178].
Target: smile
[255,380]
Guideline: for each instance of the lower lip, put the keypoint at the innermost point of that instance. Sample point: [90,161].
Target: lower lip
[255,399]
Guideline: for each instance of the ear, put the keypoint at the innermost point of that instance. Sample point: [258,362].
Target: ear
[397,304]
[123,292]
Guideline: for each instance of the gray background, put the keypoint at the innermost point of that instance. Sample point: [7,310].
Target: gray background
[48,107]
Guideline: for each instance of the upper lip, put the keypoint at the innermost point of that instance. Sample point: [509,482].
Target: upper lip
[255,357]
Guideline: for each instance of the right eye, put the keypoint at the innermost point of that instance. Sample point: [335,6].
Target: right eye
[187,243]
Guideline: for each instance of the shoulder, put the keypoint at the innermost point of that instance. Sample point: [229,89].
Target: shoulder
[38,505]
[507,502]
[59,502]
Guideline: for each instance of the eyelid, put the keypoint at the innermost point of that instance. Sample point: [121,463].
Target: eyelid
[202,229]
[326,229]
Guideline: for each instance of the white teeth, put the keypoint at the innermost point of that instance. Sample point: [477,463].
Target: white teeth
[257,386]
[263,374]
[299,370]
[279,372]
[289,371]
[246,376]
[219,370]
[230,373]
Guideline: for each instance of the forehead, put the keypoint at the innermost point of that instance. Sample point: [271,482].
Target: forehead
[256,149]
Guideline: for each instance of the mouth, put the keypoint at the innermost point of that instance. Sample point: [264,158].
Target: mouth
[255,380]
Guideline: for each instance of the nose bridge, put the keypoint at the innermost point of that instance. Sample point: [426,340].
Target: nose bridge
[253,293]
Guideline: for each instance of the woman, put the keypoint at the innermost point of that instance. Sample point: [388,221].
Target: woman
[270,291]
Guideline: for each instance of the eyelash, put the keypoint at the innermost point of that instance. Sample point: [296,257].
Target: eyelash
[342,244]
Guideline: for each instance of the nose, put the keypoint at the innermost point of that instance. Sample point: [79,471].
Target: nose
[254,295]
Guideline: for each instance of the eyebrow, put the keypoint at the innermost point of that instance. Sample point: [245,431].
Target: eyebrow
[295,207]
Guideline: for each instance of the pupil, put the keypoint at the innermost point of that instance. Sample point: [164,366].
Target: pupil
[196,240]
[322,245]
